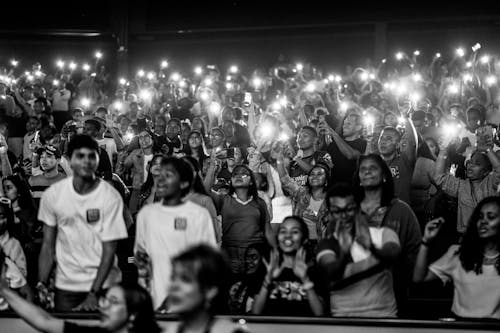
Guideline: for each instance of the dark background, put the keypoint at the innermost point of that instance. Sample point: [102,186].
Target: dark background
[331,34]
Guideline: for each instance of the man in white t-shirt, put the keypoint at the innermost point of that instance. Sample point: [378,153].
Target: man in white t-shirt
[83,218]
[167,228]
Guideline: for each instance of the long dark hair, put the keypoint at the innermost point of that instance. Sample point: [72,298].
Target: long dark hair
[25,200]
[140,305]
[387,185]
[198,186]
[327,175]
[471,248]
[210,268]
[149,179]
[201,150]
[252,189]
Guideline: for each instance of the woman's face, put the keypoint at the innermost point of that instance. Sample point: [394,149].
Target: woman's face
[390,120]
[317,177]
[432,146]
[240,178]
[10,190]
[194,140]
[185,294]
[155,166]
[113,310]
[290,236]
[216,138]
[197,124]
[370,173]
[488,224]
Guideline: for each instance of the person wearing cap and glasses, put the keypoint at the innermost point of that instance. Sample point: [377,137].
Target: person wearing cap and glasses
[49,163]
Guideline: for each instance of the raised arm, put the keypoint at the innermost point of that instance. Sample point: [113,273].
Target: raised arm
[421,272]
[412,142]
[344,148]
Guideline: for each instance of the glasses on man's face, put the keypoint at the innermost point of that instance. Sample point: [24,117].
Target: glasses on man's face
[349,210]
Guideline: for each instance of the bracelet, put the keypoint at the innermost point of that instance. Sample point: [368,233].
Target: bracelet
[424,243]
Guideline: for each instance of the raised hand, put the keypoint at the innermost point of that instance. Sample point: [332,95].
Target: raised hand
[432,229]
[300,265]
[273,267]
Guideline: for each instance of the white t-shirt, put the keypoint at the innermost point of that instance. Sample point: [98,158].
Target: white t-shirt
[474,295]
[147,159]
[109,145]
[60,100]
[165,231]
[83,223]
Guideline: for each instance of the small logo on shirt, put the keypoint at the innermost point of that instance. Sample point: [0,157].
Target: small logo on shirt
[395,171]
[180,223]
[93,215]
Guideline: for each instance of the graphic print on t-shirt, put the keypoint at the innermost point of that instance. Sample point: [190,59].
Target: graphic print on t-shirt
[394,171]
[180,223]
[93,215]
[288,290]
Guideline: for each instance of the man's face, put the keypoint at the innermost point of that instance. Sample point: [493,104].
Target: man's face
[160,128]
[173,130]
[305,139]
[84,162]
[388,142]
[228,128]
[145,140]
[48,162]
[31,125]
[39,107]
[342,210]
[90,130]
[477,167]
[473,120]
[351,126]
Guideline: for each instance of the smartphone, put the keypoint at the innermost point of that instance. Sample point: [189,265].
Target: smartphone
[247,101]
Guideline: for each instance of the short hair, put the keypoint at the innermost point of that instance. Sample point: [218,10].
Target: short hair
[311,129]
[184,170]
[175,120]
[94,123]
[82,141]
[339,190]
[391,129]
[102,109]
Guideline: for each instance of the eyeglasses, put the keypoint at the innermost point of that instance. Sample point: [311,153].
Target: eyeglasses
[105,301]
[338,211]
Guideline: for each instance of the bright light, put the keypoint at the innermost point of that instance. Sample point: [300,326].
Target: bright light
[310,87]
[60,63]
[386,85]
[476,47]
[141,73]
[72,66]
[438,55]
[283,137]
[485,59]
[38,73]
[401,89]
[283,101]
[164,64]
[415,97]
[276,106]
[14,62]
[183,84]
[30,77]
[118,105]
[460,52]
[204,95]
[338,78]
[266,130]
[450,130]
[384,61]
[145,94]
[214,108]
[228,78]
[364,76]
[233,69]
[175,76]
[344,106]
[468,64]
[208,81]
[399,55]
[369,120]
[331,78]
[98,54]
[491,80]
[122,81]
[372,76]
[129,136]
[453,89]
[401,120]
[467,77]
[416,52]
[150,75]
[299,67]
[85,102]
[86,67]
[417,77]
[55,83]
[198,70]
[26,73]
[229,86]
[257,82]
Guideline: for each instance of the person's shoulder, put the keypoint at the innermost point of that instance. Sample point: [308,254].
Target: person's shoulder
[400,205]
[109,190]
[195,207]
[60,185]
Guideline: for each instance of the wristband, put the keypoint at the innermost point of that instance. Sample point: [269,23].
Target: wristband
[424,243]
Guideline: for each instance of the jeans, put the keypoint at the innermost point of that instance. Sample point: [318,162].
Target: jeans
[66,300]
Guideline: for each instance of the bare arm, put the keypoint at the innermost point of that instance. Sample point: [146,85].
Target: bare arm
[411,145]
[344,148]
[32,314]
[46,259]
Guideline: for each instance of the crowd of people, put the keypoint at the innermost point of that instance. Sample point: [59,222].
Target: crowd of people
[327,194]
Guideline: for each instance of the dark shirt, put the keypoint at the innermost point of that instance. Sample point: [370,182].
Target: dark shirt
[299,175]
[343,168]
[181,114]
[104,169]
